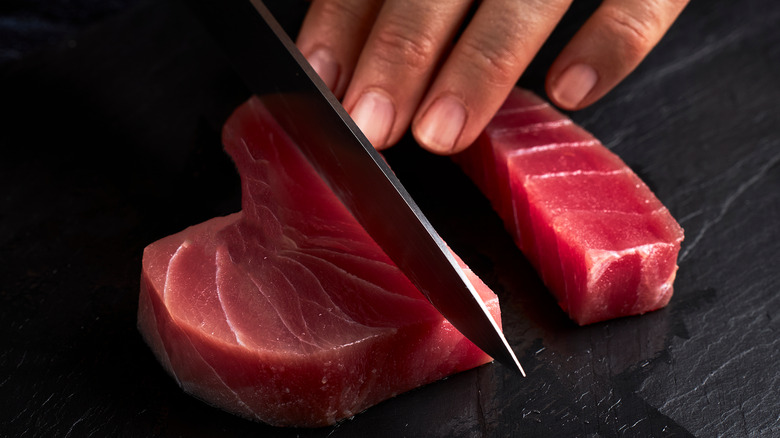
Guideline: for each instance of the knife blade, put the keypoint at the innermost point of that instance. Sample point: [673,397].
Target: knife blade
[272,67]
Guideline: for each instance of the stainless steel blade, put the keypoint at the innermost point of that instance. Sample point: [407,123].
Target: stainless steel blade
[273,68]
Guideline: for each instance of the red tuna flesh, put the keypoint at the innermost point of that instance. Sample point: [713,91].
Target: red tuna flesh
[602,242]
[287,312]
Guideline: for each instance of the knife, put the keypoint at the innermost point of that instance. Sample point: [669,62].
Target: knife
[272,67]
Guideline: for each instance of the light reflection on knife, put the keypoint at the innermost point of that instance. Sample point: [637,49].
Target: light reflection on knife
[273,68]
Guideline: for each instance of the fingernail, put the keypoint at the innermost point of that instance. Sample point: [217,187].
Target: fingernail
[442,124]
[374,115]
[574,84]
[326,67]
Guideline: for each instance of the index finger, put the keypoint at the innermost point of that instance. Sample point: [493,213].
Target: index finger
[332,36]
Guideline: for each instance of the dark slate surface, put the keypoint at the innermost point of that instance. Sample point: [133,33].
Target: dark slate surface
[29,25]
[110,140]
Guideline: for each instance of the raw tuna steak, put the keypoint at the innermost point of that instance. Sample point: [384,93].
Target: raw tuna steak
[601,241]
[287,312]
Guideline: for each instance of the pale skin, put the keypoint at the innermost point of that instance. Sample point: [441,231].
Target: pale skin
[397,64]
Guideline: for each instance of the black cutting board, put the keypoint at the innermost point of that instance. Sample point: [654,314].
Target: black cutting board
[110,140]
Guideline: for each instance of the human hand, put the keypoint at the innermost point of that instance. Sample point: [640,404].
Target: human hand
[396,63]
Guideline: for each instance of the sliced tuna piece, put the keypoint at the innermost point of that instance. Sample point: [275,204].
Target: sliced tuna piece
[602,242]
[287,312]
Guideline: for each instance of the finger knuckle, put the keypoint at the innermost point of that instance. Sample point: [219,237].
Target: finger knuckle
[546,9]
[337,11]
[636,33]
[496,62]
[402,43]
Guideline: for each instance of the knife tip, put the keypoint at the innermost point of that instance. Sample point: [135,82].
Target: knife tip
[515,364]
[507,357]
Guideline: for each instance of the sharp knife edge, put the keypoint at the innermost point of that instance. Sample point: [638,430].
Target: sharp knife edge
[231,21]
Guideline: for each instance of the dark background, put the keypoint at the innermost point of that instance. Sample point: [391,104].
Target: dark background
[109,140]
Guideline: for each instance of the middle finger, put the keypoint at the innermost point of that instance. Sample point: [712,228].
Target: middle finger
[397,63]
